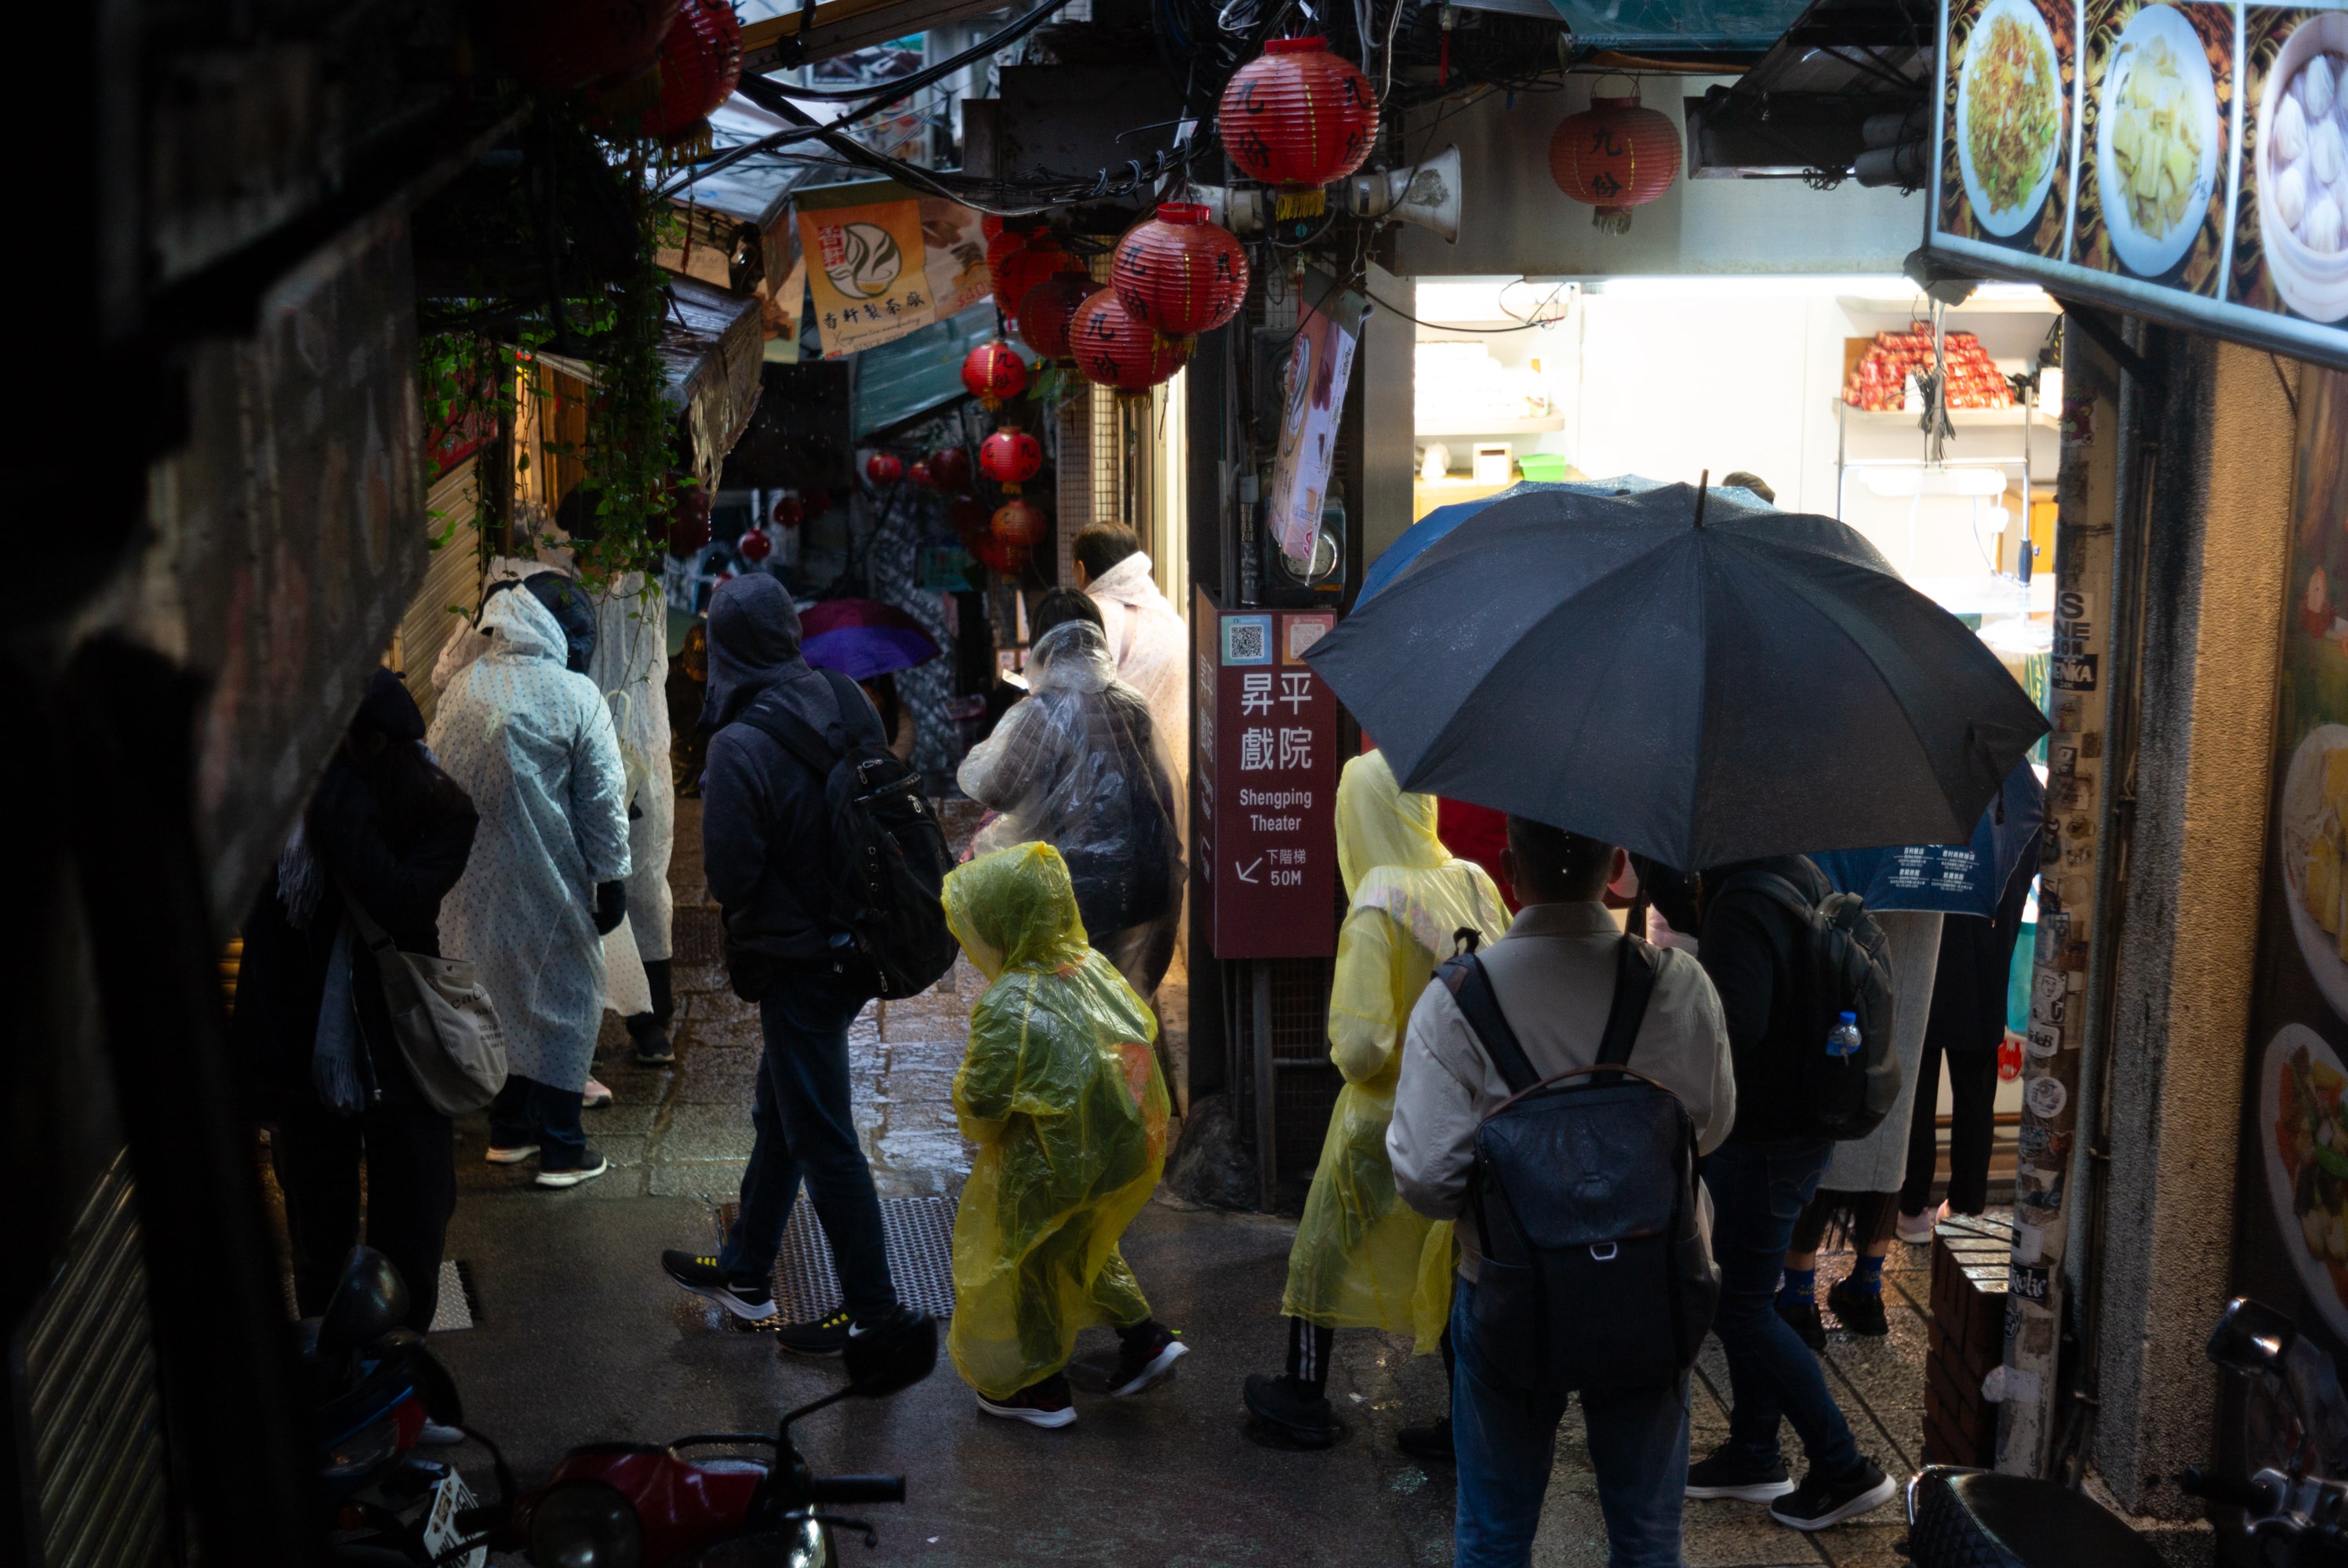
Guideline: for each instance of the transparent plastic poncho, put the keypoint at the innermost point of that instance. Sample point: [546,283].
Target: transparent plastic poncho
[1061,1093]
[1364,1258]
[1081,766]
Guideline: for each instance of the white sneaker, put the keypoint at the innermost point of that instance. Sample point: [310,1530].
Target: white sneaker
[434,1435]
[595,1097]
[1916,1230]
[513,1156]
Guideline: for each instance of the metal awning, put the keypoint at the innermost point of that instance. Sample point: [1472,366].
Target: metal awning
[1800,109]
[713,343]
[777,34]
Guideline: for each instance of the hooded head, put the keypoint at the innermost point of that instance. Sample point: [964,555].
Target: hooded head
[518,625]
[754,640]
[1380,824]
[566,602]
[388,710]
[1071,657]
[1015,909]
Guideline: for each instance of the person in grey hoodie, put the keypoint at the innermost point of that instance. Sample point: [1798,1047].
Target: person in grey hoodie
[764,833]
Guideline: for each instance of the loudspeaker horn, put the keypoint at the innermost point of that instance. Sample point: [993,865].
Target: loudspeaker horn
[1427,194]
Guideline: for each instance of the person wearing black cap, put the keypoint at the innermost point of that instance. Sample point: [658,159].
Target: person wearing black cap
[390,831]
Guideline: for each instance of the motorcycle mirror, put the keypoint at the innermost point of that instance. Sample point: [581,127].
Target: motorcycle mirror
[886,1361]
[2251,1338]
[369,1301]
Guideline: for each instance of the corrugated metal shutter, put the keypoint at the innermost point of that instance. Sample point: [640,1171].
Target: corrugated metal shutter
[93,1414]
[453,577]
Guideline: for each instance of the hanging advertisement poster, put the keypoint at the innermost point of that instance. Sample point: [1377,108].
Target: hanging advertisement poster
[2291,1241]
[1320,364]
[2178,160]
[883,261]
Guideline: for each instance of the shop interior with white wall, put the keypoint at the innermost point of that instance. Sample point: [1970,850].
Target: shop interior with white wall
[1668,377]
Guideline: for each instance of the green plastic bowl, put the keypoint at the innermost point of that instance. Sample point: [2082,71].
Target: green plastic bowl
[1547,466]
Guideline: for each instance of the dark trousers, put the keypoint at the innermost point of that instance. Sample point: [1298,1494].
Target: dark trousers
[411,1189]
[660,979]
[1759,1191]
[1505,1438]
[529,1112]
[1972,1096]
[806,1129]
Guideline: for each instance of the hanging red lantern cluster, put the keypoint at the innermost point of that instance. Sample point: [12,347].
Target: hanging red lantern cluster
[968,516]
[699,65]
[950,469]
[1179,273]
[1019,524]
[994,374]
[1113,349]
[562,46]
[1047,310]
[1036,258]
[1297,118]
[789,513]
[1615,156]
[1011,457]
[754,546]
[884,467]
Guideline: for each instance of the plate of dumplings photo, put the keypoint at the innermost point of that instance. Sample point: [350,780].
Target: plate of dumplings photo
[2303,169]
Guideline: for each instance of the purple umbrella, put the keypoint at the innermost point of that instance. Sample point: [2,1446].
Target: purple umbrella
[863,638]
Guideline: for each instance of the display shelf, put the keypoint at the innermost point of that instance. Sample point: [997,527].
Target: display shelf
[1961,419]
[1447,430]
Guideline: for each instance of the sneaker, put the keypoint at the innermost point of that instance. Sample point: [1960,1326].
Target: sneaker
[1860,1311]
[826,1335]
[1916,1230]
[590,1165]
[1802,1317]
[1145,1361]
[1043,1404]
[1731,1475]
[1819,1501]
[1287,1404]
[1429,1444]
[594,1097]
[746,1295]
[513,1154]
[652,1048]
[433,1435]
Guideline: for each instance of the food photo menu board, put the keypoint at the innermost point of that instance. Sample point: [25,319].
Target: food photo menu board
[2186,161]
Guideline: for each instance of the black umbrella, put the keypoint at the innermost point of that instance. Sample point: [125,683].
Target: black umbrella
[1700,689]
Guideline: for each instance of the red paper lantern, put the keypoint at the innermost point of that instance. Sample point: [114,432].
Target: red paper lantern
[1027,266]
[1179,273]
[1020,523]
[993,373]
[884,467]
[991,224]
[754,546]
[700,64]
[561,45]
[919,474]
[1001,556]
[789,512]
[1615,156]
[1112,349]
[968,516]
[1009,457]
[1048,308]
[949,468]
[1298,117]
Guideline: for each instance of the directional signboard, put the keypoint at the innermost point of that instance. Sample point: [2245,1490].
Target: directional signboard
[1266,744]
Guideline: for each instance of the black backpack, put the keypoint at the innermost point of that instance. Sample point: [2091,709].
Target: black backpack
[886,857]
[1848,962]
[1595,1273]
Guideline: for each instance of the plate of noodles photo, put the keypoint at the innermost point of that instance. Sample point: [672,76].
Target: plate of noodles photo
[2009,115]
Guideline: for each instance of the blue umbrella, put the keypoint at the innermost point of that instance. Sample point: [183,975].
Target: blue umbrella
[1966,878]
[1416,537]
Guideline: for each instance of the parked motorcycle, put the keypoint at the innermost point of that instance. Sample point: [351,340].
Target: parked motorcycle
[1961,1518]
[645,1505]
[370,1386]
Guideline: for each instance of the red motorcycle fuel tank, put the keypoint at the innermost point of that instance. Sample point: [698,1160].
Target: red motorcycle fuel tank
[683,1505]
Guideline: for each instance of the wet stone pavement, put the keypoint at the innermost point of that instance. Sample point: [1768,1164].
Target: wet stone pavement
[581,1337]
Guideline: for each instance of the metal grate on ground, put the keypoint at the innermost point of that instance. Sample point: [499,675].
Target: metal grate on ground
[919,1233]
[459,1303]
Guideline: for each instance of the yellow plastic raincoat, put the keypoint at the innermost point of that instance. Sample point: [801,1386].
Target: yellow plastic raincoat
[1362,1257]
[1061,1093]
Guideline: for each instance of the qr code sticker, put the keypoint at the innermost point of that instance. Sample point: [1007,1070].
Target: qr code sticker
[1249,642]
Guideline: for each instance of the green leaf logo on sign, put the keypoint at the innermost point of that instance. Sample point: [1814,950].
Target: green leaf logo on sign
[864,261]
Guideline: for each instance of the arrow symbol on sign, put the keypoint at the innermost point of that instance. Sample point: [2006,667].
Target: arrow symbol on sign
[1246,871]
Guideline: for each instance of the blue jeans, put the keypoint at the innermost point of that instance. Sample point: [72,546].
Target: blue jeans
[1758,1190]
[806,1129]
[1506,1440]
[527,1111]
